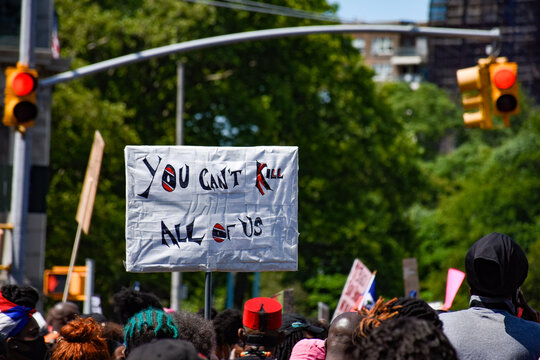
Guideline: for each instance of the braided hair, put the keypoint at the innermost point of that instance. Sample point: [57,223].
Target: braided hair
[373,317]
[147,325]
[284,349]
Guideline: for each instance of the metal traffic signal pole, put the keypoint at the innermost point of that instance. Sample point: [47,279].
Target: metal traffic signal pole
[21,158]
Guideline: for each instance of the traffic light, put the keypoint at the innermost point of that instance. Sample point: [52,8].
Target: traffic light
[473,83]
[504,88]
[54,281]
[20,107]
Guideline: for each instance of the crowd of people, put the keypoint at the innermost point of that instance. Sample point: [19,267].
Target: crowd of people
[499,324]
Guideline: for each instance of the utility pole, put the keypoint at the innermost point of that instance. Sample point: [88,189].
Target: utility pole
[176,276]
[21,157]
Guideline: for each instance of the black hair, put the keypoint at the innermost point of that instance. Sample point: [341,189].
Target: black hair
[21,295]
[417,308]
[226,325]
[284,349]
[213,313]
[406,339]
[197,330]
[128,302]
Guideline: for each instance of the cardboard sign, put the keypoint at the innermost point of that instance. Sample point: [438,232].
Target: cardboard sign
[357,283]
[191,208]
[89,190]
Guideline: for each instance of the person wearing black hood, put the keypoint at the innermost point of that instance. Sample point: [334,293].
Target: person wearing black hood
[499,323]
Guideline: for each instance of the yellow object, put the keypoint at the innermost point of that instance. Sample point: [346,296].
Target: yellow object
[54,281]
[20,108]
[473,84]
[504,88]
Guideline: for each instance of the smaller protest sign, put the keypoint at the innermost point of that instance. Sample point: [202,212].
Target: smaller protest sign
[357,283]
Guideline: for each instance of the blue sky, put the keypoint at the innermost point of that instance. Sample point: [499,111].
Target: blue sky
[383,10]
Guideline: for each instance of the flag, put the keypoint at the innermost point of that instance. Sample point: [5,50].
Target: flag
[55,42]
[369,297]
[13,317]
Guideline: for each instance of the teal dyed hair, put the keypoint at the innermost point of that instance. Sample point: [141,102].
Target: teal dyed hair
[147,325]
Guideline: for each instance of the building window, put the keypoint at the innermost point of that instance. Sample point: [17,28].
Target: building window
[383,72]
[382,46]
[359,44]
[437,13]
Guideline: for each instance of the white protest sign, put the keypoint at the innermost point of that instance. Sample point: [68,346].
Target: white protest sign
[193,208]
[357,283]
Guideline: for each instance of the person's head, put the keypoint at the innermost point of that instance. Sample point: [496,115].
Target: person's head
[261,322]
[21,330]
[128,302]
[308,349]
[372,318]
[496,266]
[147,325]
[197,330]
[81,340]
[416,308]
[407,339]
[226,325]
[60,314]
[295,328]
[165,349]
[113,333]
[339,343]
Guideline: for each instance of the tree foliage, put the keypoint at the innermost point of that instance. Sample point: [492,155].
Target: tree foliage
[385,172]
[313,92]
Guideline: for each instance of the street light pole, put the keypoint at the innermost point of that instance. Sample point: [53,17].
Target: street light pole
[176,276]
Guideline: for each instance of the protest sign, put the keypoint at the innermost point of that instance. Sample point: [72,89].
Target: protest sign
[193,208]
[357,283]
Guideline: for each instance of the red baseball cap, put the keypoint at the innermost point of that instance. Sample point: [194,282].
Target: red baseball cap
[262,313]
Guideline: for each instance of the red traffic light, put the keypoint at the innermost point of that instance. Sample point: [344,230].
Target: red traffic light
[23,83]
[56,283]
[504,78]
[20,107]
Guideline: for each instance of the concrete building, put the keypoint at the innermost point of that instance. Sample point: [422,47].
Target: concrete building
[394,57]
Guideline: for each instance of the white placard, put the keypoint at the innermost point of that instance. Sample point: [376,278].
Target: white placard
[194,208]
[357,283]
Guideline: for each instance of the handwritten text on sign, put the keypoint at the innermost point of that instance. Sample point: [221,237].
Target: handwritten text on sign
[211,208]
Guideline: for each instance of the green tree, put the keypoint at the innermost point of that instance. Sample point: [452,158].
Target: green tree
[358,169]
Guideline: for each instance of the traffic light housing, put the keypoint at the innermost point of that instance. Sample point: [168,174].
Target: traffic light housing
[473,83]
[20,108]
[54,281]
[504,88]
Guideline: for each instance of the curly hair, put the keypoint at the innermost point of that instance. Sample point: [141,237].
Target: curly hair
[81,340]
[147,325]
[373,317]
[20,295]
[226,324]
[417,308]
[407,339]
[128,302]
[197,330]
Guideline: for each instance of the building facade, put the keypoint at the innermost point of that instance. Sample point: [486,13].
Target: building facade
[394,57]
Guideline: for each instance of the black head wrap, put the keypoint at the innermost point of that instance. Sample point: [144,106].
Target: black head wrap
[496,266]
